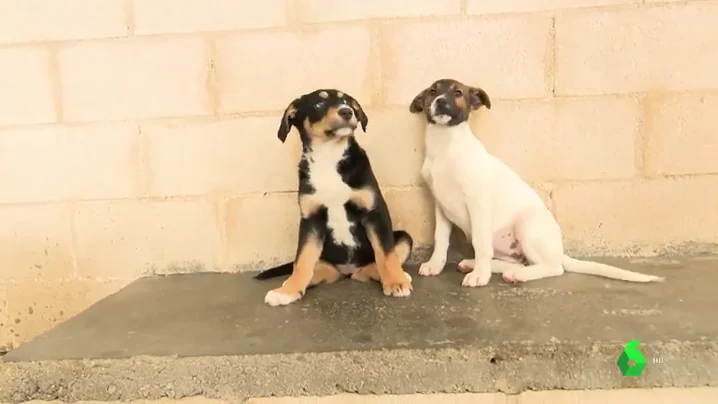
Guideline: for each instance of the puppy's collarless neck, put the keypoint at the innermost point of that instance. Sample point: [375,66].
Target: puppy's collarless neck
[445,131]
[336,144]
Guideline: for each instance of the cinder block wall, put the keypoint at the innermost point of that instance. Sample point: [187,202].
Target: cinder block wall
[138,137]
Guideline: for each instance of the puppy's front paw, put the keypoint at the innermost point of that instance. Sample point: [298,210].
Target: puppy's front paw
[276,297]
[475,279]
[398,288]
[431,268]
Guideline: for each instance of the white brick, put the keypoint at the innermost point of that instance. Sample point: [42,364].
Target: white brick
[682,134]
[259,72]
[261,231]
[35,242]
[136,78]
[412,210]
[638,217]
[508,57]
[55,163]
[167,16]
[478,7]
[561,139]
[332,10]
[395,144]
[125,239]
[26,84]
[664,48]
[231,157]
[52,20]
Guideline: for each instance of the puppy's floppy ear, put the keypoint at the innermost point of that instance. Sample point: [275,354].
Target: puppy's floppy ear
[478,97]
[417,104]
[287,121]
[361,115]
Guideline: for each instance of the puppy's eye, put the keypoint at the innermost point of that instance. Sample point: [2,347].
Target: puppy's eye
[319,105]
[458,93]
[432,91]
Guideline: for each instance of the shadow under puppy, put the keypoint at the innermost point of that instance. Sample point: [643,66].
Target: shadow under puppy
[345,228]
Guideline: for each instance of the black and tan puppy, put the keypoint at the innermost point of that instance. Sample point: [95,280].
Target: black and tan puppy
[345,228]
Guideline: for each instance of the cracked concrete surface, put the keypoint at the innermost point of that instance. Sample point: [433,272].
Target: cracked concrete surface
[210,335]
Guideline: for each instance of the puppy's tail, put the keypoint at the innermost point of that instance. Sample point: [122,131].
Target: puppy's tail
[607,271]
[281,270]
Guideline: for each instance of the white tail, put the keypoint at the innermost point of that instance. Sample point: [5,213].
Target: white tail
[608,271]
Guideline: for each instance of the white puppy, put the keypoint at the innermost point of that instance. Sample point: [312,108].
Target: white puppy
[510,228]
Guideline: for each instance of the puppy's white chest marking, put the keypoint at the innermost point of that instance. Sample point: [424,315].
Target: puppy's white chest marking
[443,164]
[330,190]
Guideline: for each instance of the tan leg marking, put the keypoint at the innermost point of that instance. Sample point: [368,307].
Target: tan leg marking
[325,273]
[367,273]
[308,204]
[402,250]
[303,271]
[364,198]
[394,281]
[371,272]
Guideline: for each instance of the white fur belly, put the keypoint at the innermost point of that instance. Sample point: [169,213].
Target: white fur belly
[333,193]
[454,207]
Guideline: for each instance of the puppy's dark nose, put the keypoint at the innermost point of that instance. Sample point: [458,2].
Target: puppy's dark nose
[346,113]
[441,102]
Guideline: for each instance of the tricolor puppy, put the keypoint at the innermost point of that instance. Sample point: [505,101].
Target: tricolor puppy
[511,230]
[345,228]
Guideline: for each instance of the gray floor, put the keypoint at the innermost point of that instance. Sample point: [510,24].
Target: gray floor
[224,314]
[521,336]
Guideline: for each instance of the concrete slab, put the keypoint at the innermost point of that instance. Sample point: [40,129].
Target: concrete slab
[211,335]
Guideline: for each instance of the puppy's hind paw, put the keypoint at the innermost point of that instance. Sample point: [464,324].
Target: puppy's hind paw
[466,266]
[511,276]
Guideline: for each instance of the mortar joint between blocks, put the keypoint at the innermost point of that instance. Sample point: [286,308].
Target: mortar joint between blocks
[144,170]
[212,83]
[55,74]
[375,73]
[551,69]
[130,17]
[292,14]
[642,142]
[223,245]
[71,208]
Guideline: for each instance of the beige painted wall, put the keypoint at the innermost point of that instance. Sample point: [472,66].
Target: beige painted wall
[138,137]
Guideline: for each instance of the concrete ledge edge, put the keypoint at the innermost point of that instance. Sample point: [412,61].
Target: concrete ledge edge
[511,368]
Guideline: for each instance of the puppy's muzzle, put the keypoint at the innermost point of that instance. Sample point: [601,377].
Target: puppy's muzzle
[347,123]
[440,110]
[346,113]
[440,106]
